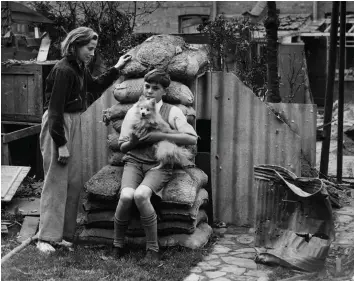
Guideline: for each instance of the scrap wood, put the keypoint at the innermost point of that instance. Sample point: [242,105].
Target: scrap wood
[19,248]
[29,228]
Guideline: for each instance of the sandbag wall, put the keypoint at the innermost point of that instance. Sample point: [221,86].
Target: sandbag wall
[182,219]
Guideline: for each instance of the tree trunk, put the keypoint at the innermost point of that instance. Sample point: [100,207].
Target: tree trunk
[271,25]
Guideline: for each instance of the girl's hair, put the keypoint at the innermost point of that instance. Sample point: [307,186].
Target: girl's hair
[159,77]
[76,38]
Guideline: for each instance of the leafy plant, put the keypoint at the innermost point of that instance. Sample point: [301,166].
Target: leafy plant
[113,22]
[231,45]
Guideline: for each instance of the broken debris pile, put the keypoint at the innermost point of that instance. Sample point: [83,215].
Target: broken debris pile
[295,222]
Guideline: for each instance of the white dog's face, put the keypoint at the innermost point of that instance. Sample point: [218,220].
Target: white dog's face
[146,106]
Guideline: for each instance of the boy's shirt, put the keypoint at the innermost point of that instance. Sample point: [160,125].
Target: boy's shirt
[176,119]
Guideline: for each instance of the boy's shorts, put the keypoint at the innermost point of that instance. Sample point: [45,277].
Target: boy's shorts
[136,173]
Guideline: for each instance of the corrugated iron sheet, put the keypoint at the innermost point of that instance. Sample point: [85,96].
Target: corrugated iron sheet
[94,136]
[245,132]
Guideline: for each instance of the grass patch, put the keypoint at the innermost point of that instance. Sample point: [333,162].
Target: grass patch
[95,263]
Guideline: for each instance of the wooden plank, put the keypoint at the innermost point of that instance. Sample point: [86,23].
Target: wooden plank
[11,178]
[5,154]
[7,91]
[8,179]
[18,123]
[21,117]
[28,229]
[32,100]
[21,133]
[21,96]
[37,94]
[23,69]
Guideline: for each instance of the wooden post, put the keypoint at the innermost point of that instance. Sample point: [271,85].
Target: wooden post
[329,91]
[341,91]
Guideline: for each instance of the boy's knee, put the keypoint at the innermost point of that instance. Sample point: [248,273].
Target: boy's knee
[127,195]
[141,195]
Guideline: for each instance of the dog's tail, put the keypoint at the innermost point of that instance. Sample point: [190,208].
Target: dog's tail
[170,153]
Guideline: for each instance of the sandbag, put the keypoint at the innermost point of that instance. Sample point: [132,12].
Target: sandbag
[183,187]
[134,68]
[186,65]
[117,125]
[105,219]
[158,50]
[130,90]
[187,110]
[105,184]
[115,158]
[197,240]
[112,141]
[117,111]
[94,205]
[173,213]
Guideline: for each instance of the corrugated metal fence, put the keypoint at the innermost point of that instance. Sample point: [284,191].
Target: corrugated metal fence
[246,132]
[94,136]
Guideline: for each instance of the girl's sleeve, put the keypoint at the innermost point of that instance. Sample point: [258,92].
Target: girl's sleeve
[97,85]
[63,82]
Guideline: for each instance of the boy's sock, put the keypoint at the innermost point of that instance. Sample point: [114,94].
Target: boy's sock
[121,222]
[120,227]
[150,226]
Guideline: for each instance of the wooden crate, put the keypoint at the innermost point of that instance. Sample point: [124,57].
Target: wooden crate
[22,92]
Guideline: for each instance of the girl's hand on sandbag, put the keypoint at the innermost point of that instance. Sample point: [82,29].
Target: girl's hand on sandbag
[153,137]
[63,154]
[122,61]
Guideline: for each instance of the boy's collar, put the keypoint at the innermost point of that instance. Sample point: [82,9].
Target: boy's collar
[158,105]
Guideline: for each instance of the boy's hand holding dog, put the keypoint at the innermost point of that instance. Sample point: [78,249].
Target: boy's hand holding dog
[130,144]
[153,137]
[174,136]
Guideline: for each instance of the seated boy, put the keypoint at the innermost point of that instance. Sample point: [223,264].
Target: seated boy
[139,182]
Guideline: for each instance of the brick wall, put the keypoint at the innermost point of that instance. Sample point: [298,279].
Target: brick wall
[165,19]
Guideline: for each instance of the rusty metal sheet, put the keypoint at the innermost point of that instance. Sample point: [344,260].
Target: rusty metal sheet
[244,132]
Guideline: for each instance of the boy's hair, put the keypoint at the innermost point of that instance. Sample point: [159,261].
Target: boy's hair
[77,38]
[159,77]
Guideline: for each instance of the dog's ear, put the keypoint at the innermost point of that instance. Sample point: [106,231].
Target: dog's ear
[142,98]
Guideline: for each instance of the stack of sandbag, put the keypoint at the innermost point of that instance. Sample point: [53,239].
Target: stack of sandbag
[169,53]
[182,218]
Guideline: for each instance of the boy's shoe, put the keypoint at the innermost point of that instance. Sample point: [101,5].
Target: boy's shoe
[118,252]
[152,256]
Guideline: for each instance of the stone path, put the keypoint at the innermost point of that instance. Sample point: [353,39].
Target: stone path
[232,257]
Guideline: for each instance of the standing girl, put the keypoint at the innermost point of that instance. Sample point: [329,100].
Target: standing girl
[67,96]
